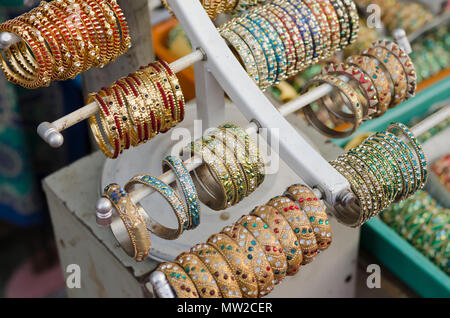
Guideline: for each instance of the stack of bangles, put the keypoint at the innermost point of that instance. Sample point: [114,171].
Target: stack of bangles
[364,87]
[232,170]
[215,7]
[276,41]
[396,14]
[250,257]
[136,108]
[387,167]
[425,224]
[62,38]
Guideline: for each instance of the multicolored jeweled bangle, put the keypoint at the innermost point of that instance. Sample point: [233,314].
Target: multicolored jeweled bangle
[333,22]
[239,264]
[203,280]
[171,197]
[353,20]
[324,28]
[315,211]
[380,80]
[179,280]
[188,189]
[272,247]
[137,242]
[344,22]
[255,253]
[284,233]
[219,268]
[299,223]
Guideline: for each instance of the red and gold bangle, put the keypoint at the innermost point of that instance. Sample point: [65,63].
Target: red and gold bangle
[406,62]
[177,90]
[333,24]
[203,280]
[324,28]
[272,247]
[300,224]
[294,34]
[17,66]
[44,71]
[315,211]
[219,268]
[103,31]
[394,68]
[239,264]
[364,82]
[112,28]
[140,109]
[255,253]
[72,35]
[65,40]
[121,115]
[378,76]
[125,32]
[284,233]
[179,280]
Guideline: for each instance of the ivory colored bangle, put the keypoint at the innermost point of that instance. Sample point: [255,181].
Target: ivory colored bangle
[203,280]
[300,224]
[137,244]
[179,280]
[239,264]
[219,268]
[255,253]
[272,247]
[283,232]
[315,211]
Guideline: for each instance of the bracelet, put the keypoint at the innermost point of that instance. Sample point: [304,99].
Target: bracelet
[239,264]
[137,242]
[219,268]
[283,232]
[203,280]
[355,105]
[314,211]
[186,184]
[333,24]
[300,224]
[171,197]
[255,253]
[178,280]
[272,248]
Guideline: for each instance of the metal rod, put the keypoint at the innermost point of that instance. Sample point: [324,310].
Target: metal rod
[51,132]
[431,121]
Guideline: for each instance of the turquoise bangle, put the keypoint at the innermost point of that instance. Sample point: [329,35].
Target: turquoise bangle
[188,188]
[276,42]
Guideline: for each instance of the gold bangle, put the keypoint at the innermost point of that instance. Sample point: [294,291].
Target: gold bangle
[283,232]
[272,247]
[179,280]
[315,212]
[255,253]
[138,242]
[239,264]
[203,280]
[300,224]
[219,268]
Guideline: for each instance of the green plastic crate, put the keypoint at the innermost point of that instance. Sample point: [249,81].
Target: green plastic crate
[425,278]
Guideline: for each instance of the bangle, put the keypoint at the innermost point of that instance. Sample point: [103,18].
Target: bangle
[178,280]
[300,224]
[283,232]
[255,253]
[345,89]
[203,280]
[171,197]
[343,19]
[314,211]
[394,68]
[364,82]
[353,20]
[186,184]
[272,248]
[219,268]
[333,24]
[137,243]
[239,264]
